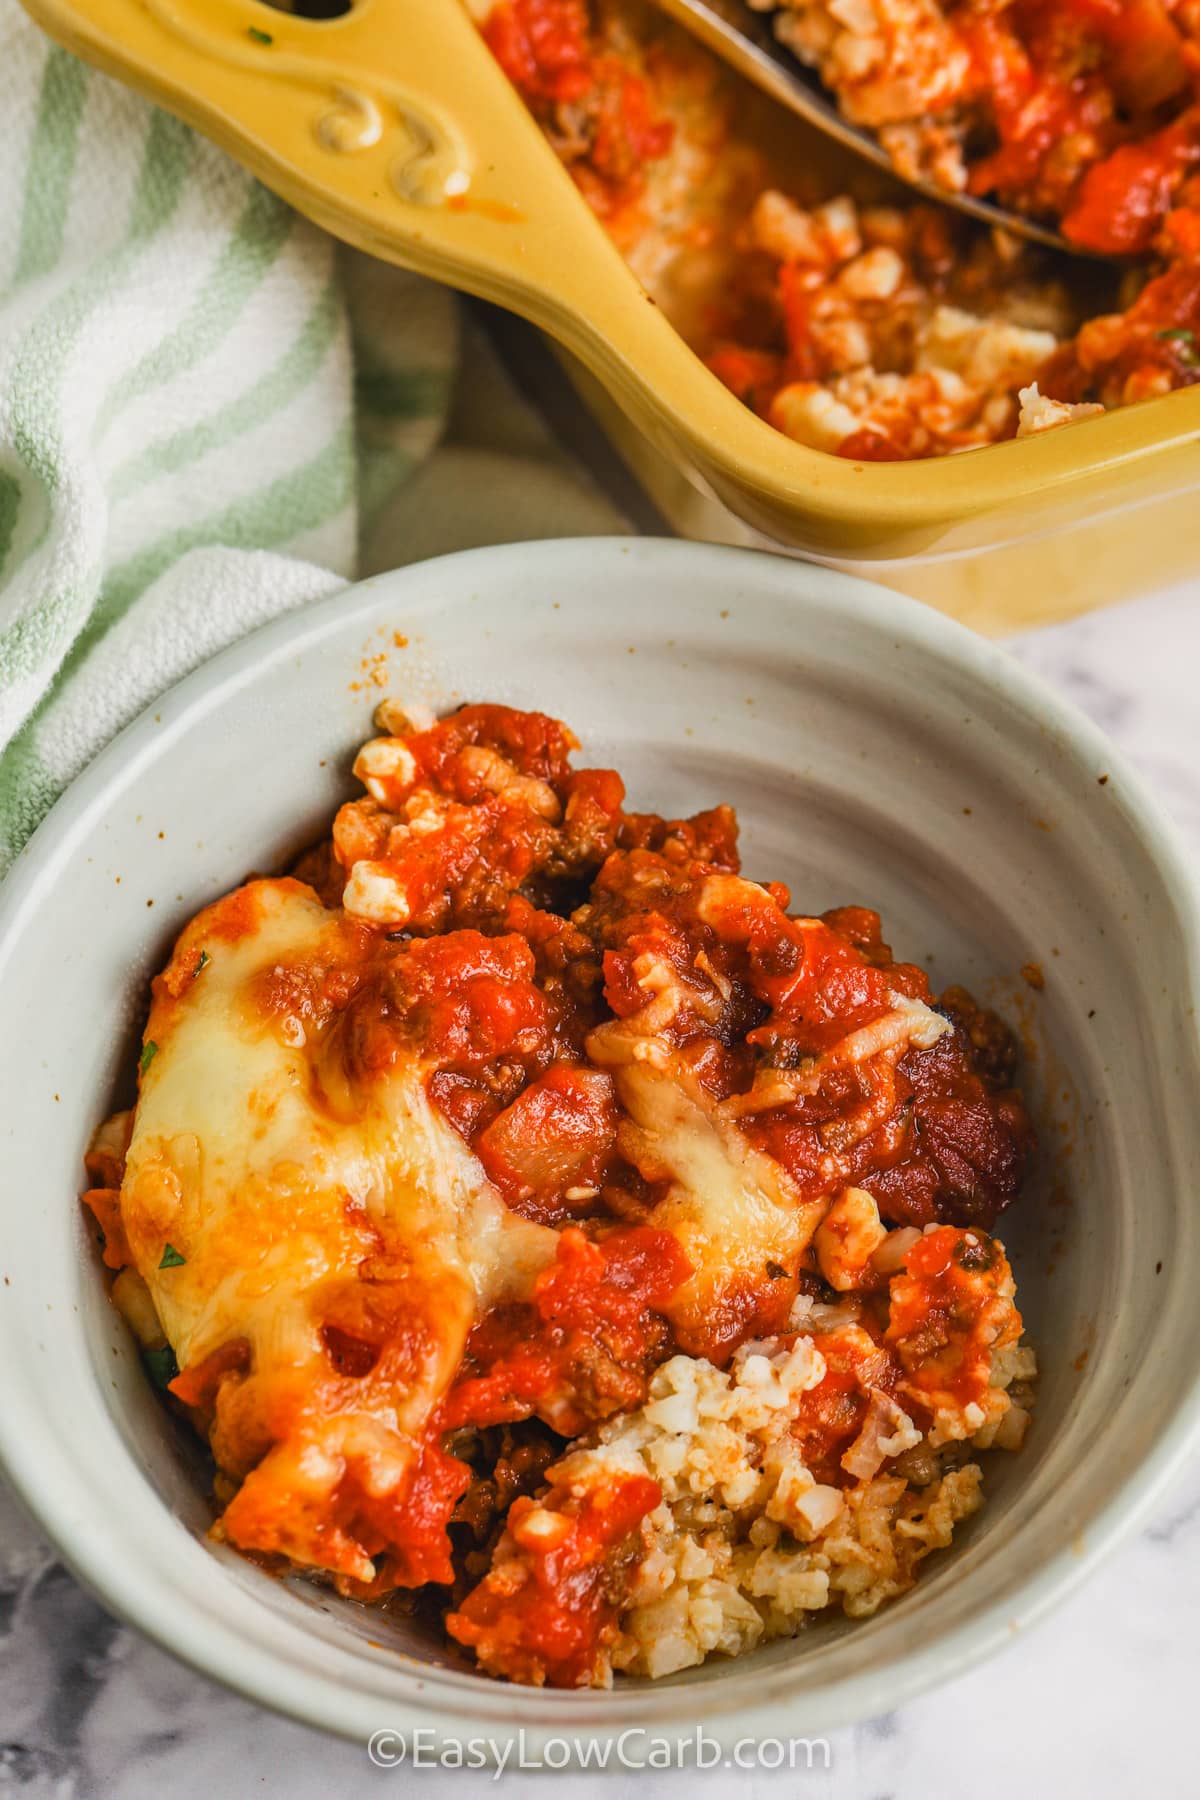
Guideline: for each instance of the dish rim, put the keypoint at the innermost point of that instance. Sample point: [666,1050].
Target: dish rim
[87,1546]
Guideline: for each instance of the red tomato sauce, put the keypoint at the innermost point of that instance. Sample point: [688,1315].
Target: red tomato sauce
[1082,113]
[577,1352]
[542,46]
[579,916]
[1074,92]
[829,1416]
[546,1615]
[501,1008]
[581,1348]
[942,1314]
[599,111]
[1151,348]
[197,1385]
[104,1204]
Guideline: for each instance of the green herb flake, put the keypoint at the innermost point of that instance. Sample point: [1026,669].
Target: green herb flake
[260,37]
[171,1258]
[149,1052]
[1185,340]
[204,959]
[160,1366]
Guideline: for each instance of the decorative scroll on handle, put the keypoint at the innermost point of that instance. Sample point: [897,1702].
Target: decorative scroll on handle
[354,122]
[427,162]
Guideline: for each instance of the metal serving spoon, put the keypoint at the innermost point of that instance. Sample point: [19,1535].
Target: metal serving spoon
[744,39]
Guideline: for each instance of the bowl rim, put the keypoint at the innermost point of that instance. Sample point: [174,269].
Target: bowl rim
[214,1649]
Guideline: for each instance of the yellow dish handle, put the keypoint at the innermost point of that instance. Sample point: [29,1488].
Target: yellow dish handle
[393,127]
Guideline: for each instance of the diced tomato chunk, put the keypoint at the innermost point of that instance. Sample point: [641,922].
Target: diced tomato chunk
[104,1204]
[547,1151]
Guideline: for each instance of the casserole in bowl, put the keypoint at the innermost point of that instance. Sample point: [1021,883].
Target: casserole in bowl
[873,750]
[393,126]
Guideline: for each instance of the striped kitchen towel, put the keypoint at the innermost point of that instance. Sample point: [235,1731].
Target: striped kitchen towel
[208,414]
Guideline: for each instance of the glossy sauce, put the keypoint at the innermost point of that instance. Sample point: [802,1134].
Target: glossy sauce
[543,915]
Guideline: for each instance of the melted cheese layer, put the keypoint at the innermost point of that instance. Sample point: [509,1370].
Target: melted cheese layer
[292,1215]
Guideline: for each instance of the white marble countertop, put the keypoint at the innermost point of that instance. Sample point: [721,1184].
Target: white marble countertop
[1097,1700]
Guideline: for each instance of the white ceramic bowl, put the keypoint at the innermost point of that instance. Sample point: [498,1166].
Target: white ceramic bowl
[876,753]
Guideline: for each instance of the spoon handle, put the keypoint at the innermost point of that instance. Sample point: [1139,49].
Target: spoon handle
[742,38]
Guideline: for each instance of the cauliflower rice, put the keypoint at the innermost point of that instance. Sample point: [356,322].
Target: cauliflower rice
[747,1543]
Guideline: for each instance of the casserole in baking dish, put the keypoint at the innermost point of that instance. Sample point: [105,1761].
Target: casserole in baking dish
[393,126]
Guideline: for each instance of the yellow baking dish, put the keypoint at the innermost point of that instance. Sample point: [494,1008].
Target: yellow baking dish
[393,127]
